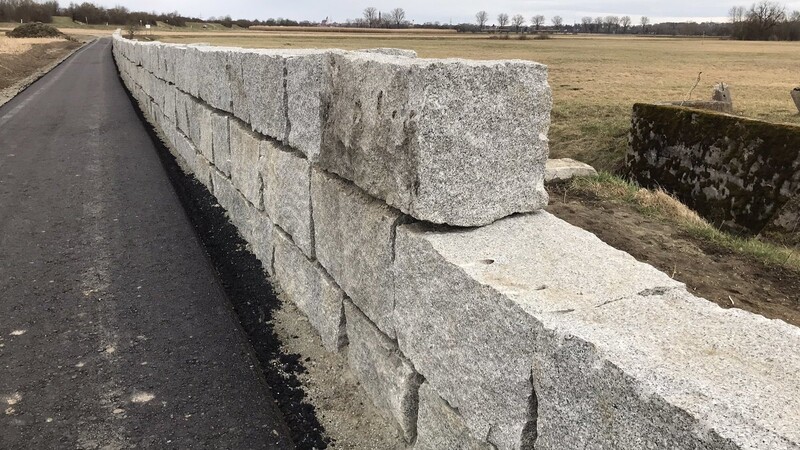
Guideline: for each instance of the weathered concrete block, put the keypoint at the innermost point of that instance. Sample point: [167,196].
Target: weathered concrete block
[245,156]
[439,426]
[603,352]
[468,307]
[221,144]
[354,235]
[566,168]
[390,51]
[312,290]
[403,130]
[389,379]
[254,226]
[287,193]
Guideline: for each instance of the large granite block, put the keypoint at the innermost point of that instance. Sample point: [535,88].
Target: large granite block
[258,91]
[388,378]
[245,162]
[308,88]
[354,236]
[201,129]
[445,141]
[221,144]
[254,226]
[287,193]
[312,290]
[534,329]
[440,427]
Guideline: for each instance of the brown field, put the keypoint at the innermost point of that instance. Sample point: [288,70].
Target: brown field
[595,80]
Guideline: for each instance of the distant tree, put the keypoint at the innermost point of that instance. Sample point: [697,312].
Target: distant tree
[612,23]
[557,21]
[482,17]
[586,24]
[644,21]
[625,21]
[398,16]
[598,24]
[502,20]
[764,16]
[537,21]
[371,16]
[517,21]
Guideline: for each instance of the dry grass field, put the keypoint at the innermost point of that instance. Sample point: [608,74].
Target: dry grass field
[595,80]
[11,46]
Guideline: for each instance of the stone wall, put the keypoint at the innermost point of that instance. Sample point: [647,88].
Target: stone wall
[352,174]
[734,171]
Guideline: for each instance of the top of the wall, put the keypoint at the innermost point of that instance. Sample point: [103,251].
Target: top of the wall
[448,141]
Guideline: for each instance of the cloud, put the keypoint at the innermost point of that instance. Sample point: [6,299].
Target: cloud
[455,11]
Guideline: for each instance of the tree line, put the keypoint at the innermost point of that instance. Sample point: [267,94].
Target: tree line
[765,20]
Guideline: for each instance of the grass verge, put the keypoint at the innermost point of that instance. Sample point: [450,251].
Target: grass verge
[660,205]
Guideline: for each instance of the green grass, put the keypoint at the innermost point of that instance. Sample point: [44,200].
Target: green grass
[661,206]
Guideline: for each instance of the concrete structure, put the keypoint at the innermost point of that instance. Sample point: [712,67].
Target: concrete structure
[520,333]
[734,171]
[563,169]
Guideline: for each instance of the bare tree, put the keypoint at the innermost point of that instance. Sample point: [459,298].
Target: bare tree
[612,22]
[371,15]
[625,21]
[586,23]
[795,17]
[736,14]
[537,21]
[482,17]
[517,21]
[765,15]
[598,24]
[644,21]
[398,16]
[502,20]
[557,21]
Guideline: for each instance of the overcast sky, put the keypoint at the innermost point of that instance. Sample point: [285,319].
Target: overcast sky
[455,11]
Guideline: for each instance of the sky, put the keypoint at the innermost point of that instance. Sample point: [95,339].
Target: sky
[446,11]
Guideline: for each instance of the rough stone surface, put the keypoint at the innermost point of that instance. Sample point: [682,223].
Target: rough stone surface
[679,371]
[287,193]
[722,93]
[245,162]
[354,236]
[566,168]
[258,93]
[221,144]
[308,84]
[735,172]
[603,352]
[390,51]
[255,226]
[439,426]
[389,379]
[467,307]
[312,290]
[710,105]
[402,130]
[796,98]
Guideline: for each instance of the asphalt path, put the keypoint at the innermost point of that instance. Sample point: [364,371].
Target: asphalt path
[114,329]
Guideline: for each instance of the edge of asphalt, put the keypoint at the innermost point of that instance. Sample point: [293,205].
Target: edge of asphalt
[8,94]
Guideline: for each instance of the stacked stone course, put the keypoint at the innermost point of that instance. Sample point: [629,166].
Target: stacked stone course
[397,201]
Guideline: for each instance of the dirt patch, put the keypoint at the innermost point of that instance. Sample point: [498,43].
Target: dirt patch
[717,274]
[17,66]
